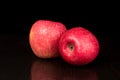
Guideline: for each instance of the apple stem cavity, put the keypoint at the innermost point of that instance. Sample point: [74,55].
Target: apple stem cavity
[70,46]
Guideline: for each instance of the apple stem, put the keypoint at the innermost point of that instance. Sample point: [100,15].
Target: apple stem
[71,46]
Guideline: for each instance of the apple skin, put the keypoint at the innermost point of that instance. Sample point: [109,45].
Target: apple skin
[78,46]
[44,36]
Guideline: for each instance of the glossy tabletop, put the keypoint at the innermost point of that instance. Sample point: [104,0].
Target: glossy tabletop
[17,62]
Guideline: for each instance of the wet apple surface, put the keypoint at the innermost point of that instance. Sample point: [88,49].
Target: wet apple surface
[17,62]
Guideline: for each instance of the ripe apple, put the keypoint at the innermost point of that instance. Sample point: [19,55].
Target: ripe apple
[78,46]
[44,36]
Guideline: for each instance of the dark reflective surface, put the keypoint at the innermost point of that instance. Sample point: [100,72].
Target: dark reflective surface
[17,62]
[57,70]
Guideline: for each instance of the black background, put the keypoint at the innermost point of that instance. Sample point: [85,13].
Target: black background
[16,22]
[102,21]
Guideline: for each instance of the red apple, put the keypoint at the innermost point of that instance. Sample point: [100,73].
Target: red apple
[44,36]
[78,46]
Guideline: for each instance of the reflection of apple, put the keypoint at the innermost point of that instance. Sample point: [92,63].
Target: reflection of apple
[80,74]
[44,70]
[78,46]
[57,70]
[44,36]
